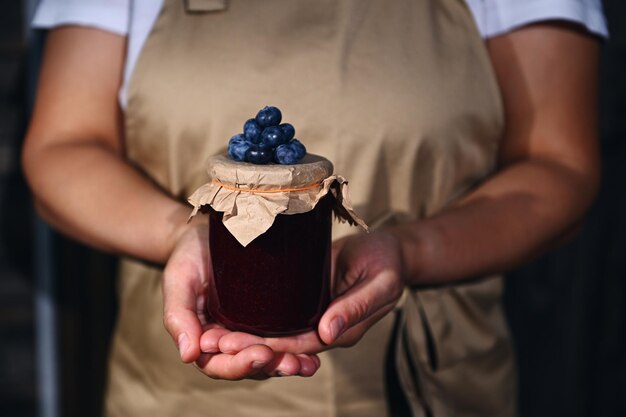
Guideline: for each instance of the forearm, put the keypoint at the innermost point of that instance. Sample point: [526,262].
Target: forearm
[92,194]
[548,157]
[517,214]
[73,154]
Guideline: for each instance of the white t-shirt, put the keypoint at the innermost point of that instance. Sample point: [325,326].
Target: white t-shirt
[135,18]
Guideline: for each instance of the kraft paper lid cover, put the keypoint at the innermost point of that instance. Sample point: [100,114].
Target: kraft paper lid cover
[251,196]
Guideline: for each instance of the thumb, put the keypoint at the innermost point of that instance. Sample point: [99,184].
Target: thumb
[185,328]
[180,317]
[346,311]
[371,296]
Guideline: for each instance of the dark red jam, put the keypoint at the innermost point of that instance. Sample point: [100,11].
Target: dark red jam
[280,283]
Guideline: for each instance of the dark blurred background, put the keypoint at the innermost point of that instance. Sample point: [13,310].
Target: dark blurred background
[567,310]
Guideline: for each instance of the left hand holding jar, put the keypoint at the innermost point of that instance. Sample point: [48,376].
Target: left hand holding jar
[368,282]
[185,284]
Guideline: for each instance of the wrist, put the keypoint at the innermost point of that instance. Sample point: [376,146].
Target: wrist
[180,224]
[417,243]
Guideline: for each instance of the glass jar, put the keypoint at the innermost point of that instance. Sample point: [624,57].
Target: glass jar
[270,241]
[279,284]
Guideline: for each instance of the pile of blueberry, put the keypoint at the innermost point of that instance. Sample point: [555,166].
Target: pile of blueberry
[265,139]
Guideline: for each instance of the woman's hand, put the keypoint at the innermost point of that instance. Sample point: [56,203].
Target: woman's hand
[368,281]
[79,175]
[185,284]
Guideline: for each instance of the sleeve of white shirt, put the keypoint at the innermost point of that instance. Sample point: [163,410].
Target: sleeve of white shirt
[110,15]
[495,17]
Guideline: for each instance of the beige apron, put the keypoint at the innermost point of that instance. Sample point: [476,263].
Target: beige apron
[400,95]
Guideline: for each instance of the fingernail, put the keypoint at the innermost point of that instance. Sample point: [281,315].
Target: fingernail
[183,344]
[258,364]
[282,373]
[336,328]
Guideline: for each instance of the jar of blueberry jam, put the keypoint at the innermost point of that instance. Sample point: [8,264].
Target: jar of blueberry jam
[270,210]
[280,283]
[271,275]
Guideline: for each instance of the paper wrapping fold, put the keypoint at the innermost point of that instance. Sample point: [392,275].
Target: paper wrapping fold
[251,196]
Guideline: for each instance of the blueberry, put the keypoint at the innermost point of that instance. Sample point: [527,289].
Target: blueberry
[289,153]
[252,131]
[288,130]
[258,155]
[265,146]
[285,155]
[298,147]
[268,116]
[237,147]
[273,136]
[239,137]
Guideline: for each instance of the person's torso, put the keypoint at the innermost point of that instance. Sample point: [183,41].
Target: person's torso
[142,14]
[400,96]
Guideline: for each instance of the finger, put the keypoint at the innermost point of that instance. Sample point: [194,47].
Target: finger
[185,329]
[357,304]
[351,336]
[309,364]
[308,342]
[283,364]
[245,364]
[180,315]
[209,341]
[234,342]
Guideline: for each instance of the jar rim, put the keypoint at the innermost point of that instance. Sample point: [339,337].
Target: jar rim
[244,176]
